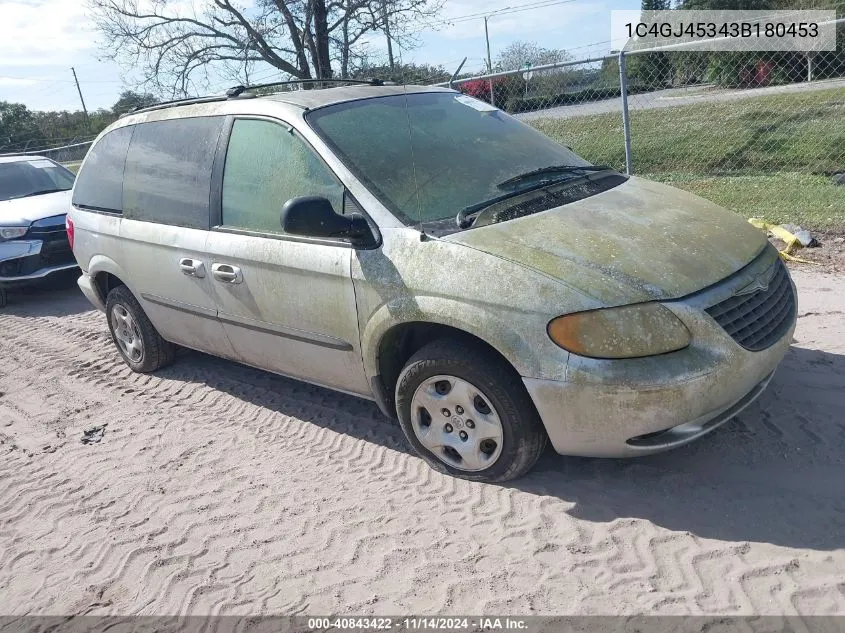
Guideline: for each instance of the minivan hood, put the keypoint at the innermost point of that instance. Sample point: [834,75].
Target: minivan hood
[25,211]
[640,241]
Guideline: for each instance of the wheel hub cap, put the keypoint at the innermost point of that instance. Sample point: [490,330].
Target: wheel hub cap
[126,333]
[454,420]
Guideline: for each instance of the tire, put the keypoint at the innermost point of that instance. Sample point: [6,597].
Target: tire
[3,298]
[149,351]
[472,373]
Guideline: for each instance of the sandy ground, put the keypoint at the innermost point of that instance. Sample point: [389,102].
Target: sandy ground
[829,255]
[220,489]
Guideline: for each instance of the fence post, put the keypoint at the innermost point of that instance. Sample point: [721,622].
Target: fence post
[455,74]
[626,121]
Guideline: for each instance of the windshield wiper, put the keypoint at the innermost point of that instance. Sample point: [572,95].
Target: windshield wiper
[36,193]
[468,215]
[551,169]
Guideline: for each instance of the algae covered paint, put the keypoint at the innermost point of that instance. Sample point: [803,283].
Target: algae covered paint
[320,307]
[639,241]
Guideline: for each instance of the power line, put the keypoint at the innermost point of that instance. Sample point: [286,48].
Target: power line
[56,80]
[537,4]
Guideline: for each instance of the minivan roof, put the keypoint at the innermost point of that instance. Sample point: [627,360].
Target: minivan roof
[309,99]
[305,99]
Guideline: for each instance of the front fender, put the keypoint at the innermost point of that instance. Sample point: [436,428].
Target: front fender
[493,328]
[504,304]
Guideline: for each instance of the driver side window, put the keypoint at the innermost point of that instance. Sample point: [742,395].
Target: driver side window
[267,165]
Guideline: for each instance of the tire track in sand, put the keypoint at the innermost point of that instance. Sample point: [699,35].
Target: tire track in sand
[218,488]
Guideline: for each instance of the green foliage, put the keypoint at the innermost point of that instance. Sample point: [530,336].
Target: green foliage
[17,125]
[403,73]
[130,100]
[651,69]
[526,104]
[609,72]
[22,129]
[738,69]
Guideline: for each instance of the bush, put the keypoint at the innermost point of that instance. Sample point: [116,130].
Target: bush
[527,104]
[503,88]
[749,70]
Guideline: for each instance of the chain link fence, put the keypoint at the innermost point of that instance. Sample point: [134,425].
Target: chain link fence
[65,154]
[761,133]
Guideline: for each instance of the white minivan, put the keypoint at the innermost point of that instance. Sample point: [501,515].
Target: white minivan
[482,283]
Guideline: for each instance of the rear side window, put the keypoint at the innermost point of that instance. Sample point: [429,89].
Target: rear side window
[267,165]
[99,185]
[168,171]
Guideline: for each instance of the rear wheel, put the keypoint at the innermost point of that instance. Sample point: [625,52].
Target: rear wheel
[137,340]
[467,413]
[3,298]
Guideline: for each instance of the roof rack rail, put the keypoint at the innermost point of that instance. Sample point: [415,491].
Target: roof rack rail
[236,91]
[174,102]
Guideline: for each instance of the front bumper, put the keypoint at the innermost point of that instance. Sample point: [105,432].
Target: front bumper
[631,407]
[22,261]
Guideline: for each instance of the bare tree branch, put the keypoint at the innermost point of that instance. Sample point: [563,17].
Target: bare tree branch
[175,44]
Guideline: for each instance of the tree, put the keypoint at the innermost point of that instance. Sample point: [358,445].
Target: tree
[22,129]
[422,74]
[651,70]
[130,100]
[519,54]
[17,126]
[175,44]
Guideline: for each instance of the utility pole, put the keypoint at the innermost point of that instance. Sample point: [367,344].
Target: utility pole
[487,38]
[387,33]
[79,90]
[489,63]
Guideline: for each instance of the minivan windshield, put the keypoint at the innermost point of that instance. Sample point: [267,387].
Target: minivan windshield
[430,155]
[24,178]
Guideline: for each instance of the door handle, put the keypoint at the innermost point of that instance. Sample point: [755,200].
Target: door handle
[227,273]
[192,267]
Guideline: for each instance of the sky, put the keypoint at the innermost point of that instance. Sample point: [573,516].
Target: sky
[40,40]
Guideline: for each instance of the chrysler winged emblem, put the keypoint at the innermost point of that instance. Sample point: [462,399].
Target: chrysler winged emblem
[759,283]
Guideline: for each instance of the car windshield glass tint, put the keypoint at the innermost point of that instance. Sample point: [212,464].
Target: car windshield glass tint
[429,155]
[28,177]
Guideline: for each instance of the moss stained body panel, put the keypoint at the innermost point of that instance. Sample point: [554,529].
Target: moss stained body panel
[640,241]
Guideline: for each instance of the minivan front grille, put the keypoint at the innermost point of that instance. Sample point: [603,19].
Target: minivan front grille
[758,319]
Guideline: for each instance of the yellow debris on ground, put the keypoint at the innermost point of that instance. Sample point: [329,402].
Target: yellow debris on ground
[778,231]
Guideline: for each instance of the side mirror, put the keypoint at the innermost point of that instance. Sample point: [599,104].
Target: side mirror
[313,216]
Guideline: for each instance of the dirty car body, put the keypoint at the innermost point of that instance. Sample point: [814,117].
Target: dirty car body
[483,284]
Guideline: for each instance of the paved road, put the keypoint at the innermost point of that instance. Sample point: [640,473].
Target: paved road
[674,97]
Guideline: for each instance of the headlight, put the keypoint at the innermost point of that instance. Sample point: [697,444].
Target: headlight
[643,329]
[11,232]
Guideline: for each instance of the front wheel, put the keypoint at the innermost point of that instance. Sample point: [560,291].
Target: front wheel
[135,337]
[466,412]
